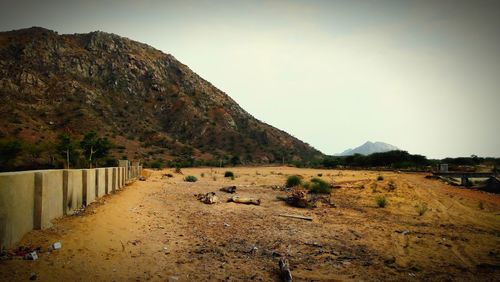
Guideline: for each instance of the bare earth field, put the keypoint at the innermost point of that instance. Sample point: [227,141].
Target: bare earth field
[157,230]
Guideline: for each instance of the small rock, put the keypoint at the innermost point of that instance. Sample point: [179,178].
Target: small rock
[389,259]
[173,278]
[405,232]
[33,276]
[56,245]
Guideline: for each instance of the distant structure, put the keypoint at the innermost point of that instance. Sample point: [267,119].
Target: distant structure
[443,167]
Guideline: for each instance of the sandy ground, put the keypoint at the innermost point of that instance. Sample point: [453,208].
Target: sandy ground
[157,230]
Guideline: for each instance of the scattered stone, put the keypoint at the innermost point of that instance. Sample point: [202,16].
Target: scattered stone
[404,232]
[134,242]
[33,276]
[389,259]
[314,244]
[173,278]
[142,178]
[56,246]
[229,189]
[208,198]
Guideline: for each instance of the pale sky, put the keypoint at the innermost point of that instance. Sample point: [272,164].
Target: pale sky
[421,75]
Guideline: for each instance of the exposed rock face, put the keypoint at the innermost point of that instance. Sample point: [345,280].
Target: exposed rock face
[51,83]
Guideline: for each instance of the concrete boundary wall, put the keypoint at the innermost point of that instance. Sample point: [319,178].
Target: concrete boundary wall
[32,199]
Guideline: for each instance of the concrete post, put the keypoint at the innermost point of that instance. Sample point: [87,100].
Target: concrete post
[84,186]
[114,179]
[118,178]
[65,191]
[106,181]
[96,183]
[464,181]
[37,213]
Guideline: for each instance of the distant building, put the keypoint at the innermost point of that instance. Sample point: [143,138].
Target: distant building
[443,167]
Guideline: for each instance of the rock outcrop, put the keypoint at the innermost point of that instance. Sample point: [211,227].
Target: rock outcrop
[140,97]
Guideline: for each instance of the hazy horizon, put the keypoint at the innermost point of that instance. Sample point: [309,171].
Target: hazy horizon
[420,75]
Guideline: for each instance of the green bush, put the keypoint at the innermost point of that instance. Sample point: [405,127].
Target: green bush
[381,201]
[320,174]
[380,178]
[190,178]
[156,164]
[292,181]
[318,186]
[229,174]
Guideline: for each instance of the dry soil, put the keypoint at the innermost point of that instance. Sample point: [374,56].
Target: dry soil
[157,230]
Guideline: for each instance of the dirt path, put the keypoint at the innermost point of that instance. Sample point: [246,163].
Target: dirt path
[157,230]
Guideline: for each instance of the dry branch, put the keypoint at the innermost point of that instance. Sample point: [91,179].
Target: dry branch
[296,216]
[285,273]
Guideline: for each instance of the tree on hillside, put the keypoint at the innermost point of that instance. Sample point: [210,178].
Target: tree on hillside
[95,147]
[66,147]
[9,150]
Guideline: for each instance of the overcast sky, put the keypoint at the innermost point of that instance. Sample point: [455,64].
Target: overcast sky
[421,75]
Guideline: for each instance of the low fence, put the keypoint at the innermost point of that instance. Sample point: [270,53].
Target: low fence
[31,199]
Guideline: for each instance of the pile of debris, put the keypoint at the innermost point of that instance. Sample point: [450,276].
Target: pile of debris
[27,253]
[212,198]
[301,198]
[208,198]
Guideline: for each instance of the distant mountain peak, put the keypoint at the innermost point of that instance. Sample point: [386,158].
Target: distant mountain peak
[369,148]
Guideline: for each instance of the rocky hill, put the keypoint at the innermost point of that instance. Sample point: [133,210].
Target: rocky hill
[369,148]
[147,102]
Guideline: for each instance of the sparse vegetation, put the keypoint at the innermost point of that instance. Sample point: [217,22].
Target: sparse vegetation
[229,174]
[381,202]
[318,186]
[202,174]
[293,181]
[190,178]
[481,205]
[380,178]
[421,209]
[9,150]
[156,165]
[320,174]
[391,186]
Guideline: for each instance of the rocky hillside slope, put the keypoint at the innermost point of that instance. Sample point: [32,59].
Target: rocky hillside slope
[146,101]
